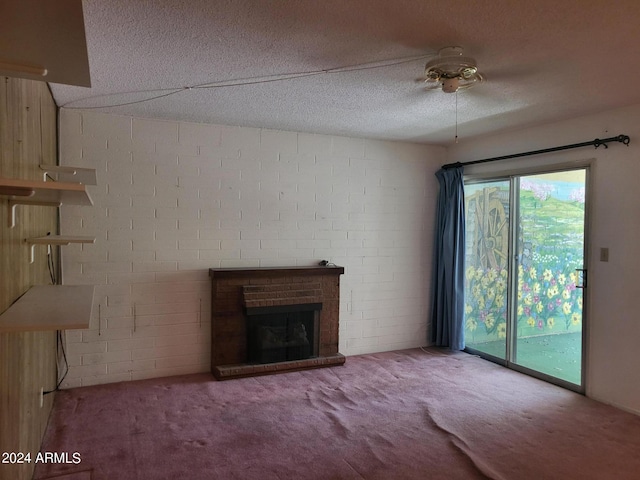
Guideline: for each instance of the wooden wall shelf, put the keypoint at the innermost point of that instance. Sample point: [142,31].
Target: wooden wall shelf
[50,307]
[32,192]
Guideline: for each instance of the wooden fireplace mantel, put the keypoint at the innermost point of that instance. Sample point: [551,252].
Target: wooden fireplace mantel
[269,272]
[228,327]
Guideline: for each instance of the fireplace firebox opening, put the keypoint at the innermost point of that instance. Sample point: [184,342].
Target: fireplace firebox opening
[281,334]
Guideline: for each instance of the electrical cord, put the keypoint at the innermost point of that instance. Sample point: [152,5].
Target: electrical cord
[50,264]
[51,267]
[244,81]
[60,348]
[326,263]
[59,340]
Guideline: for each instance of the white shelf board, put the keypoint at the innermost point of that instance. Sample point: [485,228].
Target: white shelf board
[60,240]
[50,307]
[61,192]
[60,173]
[34,192]
[56,240]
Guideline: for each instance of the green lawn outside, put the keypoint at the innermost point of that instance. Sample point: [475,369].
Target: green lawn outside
[558,355]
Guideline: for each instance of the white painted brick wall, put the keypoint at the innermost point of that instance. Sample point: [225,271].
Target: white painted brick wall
[174,199]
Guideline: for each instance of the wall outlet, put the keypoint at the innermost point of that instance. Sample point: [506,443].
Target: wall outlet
[41,397]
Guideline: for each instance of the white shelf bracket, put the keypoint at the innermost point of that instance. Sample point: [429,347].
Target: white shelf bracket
[32,249]
[13,203]
[50,240]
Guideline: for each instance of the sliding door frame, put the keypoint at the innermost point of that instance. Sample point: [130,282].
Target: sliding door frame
[513,266]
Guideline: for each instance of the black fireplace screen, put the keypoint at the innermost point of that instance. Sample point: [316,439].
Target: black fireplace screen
[283,334]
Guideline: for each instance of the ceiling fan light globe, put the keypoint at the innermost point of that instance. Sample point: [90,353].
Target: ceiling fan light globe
[468,72]
[432,75]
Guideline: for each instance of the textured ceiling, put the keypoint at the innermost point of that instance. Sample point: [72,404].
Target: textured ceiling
[544,60]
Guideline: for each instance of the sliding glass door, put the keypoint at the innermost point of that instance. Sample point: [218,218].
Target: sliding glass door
[525,273]
[487,266]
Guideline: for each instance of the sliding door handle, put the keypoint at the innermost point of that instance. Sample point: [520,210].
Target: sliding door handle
[582,275]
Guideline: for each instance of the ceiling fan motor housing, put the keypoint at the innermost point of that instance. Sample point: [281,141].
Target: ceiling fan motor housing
[452,70]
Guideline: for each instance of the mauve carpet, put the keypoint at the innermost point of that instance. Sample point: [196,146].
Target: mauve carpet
[398,415]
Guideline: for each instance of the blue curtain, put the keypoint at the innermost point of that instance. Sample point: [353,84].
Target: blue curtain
[447,310]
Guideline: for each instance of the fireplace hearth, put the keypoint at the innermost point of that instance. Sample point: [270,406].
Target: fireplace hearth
[272,320]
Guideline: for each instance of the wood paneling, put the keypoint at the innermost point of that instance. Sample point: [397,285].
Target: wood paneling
[27,360]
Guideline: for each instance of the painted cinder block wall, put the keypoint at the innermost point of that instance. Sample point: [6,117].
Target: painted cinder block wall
[174,199]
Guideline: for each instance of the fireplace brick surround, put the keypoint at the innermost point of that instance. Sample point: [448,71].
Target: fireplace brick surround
[233,290]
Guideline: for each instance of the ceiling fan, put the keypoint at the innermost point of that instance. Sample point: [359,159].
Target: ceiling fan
[451,71]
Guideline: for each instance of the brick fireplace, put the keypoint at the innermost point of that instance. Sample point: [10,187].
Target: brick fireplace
[272,320]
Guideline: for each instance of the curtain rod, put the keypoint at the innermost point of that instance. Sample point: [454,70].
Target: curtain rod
[596,143]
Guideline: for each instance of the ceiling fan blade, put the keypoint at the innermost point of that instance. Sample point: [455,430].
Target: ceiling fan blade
[509,73]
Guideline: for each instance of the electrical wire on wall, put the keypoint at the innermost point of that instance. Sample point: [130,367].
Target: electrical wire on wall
[62,364]
[51,266]
[55,275]
[61,356]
